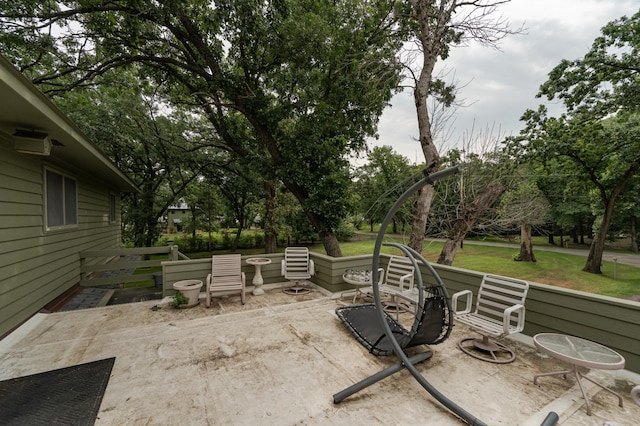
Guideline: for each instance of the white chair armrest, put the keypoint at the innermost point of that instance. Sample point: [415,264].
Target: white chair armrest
[469,299]
[282,267]
[380,276]
[312,267]
[208,280]
[243,278]
[407,277]
[508,314]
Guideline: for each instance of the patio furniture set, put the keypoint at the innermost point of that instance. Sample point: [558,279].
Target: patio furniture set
[226,276]
[499,311]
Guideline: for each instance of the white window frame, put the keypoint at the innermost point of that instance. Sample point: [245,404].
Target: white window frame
[67,219]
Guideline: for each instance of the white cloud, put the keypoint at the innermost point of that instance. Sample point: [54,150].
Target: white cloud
[501,85]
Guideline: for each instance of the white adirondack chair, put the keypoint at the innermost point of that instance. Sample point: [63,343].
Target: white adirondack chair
[226,277]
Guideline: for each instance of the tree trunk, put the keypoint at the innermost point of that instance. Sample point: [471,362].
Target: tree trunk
[330,243]
[431,34]
[328,238]
[419,219]
[594,259]
[526,245]
[634,235]
[270,233]
[468,217]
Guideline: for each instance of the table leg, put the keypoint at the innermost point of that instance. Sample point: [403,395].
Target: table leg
[578,376]
[584,394]
[553,373]
[603,388]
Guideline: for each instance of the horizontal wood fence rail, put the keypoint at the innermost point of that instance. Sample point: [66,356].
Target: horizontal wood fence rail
[116,266]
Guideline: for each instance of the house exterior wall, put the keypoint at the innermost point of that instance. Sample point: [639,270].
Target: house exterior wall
[37,265]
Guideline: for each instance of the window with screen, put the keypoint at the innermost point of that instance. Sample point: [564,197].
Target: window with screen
[61,201]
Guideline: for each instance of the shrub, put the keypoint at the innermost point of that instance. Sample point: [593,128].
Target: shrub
[345,231]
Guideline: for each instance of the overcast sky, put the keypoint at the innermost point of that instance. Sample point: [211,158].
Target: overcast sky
[501,85]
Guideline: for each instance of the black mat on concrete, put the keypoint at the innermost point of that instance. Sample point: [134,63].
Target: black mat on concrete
[68,396]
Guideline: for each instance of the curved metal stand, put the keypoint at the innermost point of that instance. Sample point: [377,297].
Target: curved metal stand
[406,362]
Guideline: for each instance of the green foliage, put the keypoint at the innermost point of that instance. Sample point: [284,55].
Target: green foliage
[179,300]
[378,184]
[220,240]
[345,231]
[290,87]
[597,142]
[605,80]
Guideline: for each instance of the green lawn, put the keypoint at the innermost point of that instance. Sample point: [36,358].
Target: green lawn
[552,268]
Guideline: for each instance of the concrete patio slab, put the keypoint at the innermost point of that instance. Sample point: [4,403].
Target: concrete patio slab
[279,359]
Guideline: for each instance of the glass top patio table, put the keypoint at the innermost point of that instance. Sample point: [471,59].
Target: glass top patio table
[578,351]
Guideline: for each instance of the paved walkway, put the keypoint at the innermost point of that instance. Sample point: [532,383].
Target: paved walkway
[625,258]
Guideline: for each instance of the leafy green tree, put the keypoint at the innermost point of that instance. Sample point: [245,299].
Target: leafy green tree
[628,212]
[240,188]
[161,151]
[525,206]
[378,181]
[605,80]
[600,133]
[309,79]
[607,155]
[567,196]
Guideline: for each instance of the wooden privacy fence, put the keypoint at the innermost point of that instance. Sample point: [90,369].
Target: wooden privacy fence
[116,266]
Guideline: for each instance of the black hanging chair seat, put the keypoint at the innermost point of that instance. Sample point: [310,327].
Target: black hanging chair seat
[363,321]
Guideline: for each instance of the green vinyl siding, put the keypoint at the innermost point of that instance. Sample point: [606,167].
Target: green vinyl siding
[36,264]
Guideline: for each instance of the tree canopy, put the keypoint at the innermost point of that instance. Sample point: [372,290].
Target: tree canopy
[309,79]
[599,135]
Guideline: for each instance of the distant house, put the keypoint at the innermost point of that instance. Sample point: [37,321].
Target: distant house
[177,216]
[59,195]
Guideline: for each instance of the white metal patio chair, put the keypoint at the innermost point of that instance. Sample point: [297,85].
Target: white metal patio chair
[397,280]
[297,266]
[499,312]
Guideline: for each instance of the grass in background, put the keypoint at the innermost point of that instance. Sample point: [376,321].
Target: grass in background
[557,269]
